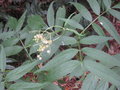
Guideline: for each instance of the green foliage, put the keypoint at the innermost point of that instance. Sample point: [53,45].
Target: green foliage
[73,23]
[95,6]
[2,59]
[102,72]
[12,50]
[20,22]
[62,70]
[110,28]
[107,3]
[12,22]
[94,39]
[52,87]
[61,12]
[50,15]
[84,12]
[115,13]
[35,22]
[101,56]
[59,59]
[27,86]
[20,71]
[117,5]
[90,82]
[55,47]
[98,29]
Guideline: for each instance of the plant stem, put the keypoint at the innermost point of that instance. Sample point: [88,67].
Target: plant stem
[93,22]
[80,53]
[27,53]
[79,47]
[25,50]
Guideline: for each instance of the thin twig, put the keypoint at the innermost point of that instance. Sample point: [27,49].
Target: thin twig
[25,49]
[93,22]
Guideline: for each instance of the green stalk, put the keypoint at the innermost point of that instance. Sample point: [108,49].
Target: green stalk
[25,49]
[79,46]
[79,52]
[93,21]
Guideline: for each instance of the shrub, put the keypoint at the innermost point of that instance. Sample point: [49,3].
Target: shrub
[58,48]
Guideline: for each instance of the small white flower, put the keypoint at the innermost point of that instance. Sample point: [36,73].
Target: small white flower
[48,51]
[39,57]
[101,23]
[35,37]
[45,41]
[63,43]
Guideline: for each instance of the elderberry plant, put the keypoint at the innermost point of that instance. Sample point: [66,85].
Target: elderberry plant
[60,47]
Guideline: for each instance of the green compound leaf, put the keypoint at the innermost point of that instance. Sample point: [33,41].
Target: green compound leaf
[110,28]
[107,3]
[90,82]
[35,22]
[20,71]
[95,6]
[12,50]
[94,39]
[103,85]
[98,29]
[117,6]
[102,71]
[72,23]
[12,23]
[61,12]
[59,59]
[84,12]
[50,15]
[21,21]
[103,57]
[52,87]
[2,58]
[115,13]
[62,70]
[65,40]
[27,86]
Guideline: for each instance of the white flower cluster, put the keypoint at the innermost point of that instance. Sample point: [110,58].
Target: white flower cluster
[44,43]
